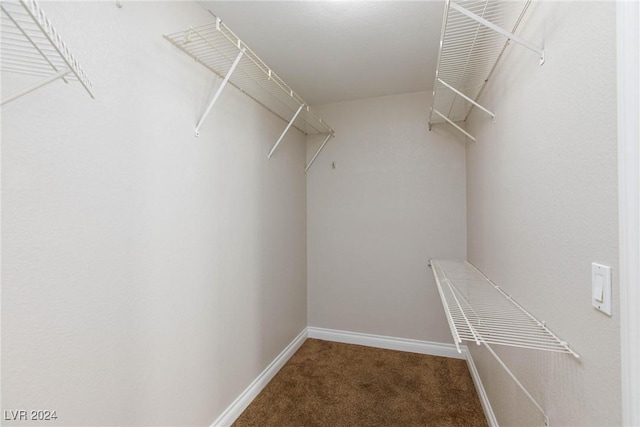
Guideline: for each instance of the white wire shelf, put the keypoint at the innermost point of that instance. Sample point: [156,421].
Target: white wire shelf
[217,48]
[479,311]
[474,37]
[32,46]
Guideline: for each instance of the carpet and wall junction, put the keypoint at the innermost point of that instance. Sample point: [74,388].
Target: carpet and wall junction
[333,384]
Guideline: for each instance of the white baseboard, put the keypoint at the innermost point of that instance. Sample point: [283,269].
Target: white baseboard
[246,397]
[482,394]
[389,343]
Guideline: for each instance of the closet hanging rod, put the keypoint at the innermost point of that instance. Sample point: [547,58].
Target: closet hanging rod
[32,46]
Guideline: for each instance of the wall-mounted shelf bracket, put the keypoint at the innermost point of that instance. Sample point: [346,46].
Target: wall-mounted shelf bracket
[32,46]
[452,123]
[331,135]
[453,89]
[500,30]
[519,384]
[219,91]
[295,116]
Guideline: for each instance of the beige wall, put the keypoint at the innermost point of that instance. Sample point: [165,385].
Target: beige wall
[395,199]
[148,276]
[542,206]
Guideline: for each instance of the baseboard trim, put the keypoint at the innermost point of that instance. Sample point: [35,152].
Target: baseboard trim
[389,343]
[238,406]
[482,393]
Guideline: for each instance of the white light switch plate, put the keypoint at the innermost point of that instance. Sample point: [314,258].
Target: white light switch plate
[601,287]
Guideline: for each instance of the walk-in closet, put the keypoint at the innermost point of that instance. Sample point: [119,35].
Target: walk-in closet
[320,213]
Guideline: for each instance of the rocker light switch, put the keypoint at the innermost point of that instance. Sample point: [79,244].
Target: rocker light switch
[601,287]
[598,287]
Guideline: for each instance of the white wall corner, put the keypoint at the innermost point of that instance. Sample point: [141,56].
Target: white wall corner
[236,408]
[482,393]
[389,343]
[628,91]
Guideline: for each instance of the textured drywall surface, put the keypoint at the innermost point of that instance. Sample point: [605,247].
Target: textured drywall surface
[148,275]
[542,206]
[395,199]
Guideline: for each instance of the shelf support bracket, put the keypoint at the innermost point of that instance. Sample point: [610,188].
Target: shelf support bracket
[295,116]
[515,379]
[319,150]
[452,123]
[53,77]
[500,30]
[493,116]
[219,91]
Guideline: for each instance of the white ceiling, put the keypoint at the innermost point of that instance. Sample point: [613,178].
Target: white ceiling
[329,51]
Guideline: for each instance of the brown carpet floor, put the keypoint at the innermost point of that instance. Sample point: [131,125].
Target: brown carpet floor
[332,384]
